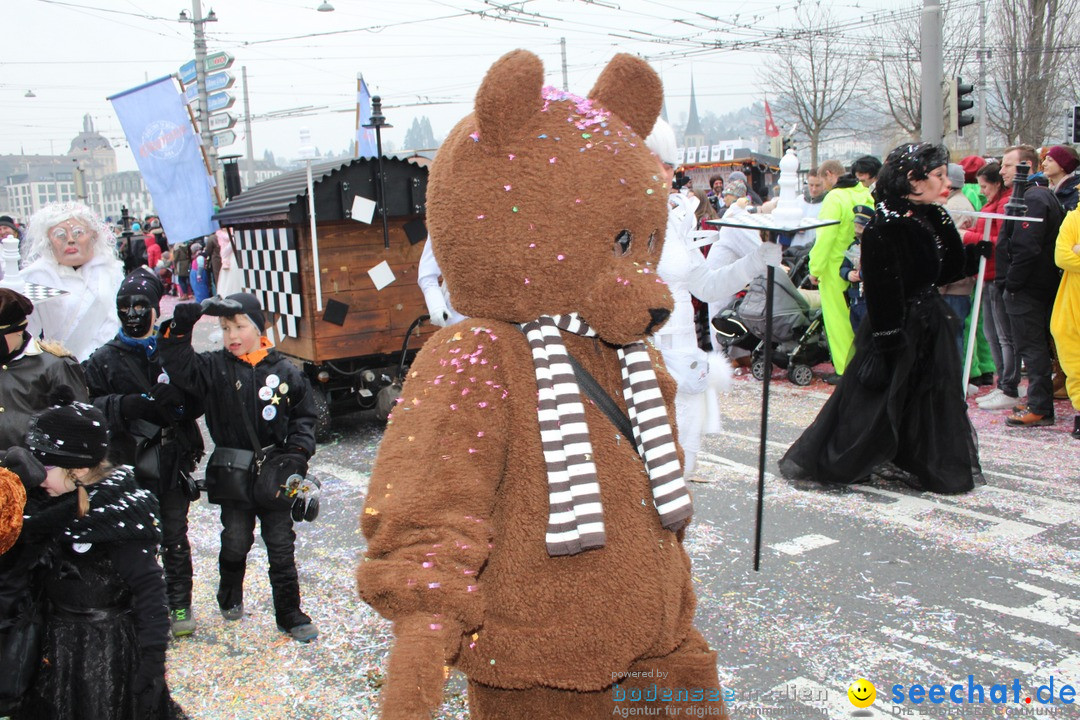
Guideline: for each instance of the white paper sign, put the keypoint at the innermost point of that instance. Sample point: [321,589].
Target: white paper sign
[691,155]
[717,153]
[381,274]
[363,209]
[680,156]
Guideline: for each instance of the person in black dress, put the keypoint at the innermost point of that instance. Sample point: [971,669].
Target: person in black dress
[902,402]
[89,541]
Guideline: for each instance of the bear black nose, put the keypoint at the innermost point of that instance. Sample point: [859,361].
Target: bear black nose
[658,315]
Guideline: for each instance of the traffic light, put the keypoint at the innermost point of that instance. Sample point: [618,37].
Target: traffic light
[959,104]
[789,144]
[1076,124]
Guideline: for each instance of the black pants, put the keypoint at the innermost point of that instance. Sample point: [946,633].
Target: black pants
[237,537]
[175,548]
[1029,317]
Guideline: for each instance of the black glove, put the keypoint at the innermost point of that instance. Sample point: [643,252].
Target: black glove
[169,400]
[221,307]
[184,318]
[276,469]
[984,248]
[305,493]
[139,407]
[23,463]
[874,372]
[188,486]
[149,682]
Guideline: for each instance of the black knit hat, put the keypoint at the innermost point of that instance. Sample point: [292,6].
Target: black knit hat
[250,306]
[14,310]
[141,281]
[69,434]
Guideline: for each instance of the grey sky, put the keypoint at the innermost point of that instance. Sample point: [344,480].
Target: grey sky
[73,53]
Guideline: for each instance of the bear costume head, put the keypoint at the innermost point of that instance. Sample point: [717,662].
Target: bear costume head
[545,203]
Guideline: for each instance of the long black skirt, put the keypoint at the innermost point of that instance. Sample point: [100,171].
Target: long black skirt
[918,422]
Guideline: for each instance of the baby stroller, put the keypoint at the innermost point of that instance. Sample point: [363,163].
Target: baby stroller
[798,332]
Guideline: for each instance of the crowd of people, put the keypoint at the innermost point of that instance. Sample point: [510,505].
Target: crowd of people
[100,399]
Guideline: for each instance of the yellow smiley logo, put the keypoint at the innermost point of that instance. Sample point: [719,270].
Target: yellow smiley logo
[861,693]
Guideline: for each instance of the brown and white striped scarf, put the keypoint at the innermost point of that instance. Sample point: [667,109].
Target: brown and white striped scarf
[575,517]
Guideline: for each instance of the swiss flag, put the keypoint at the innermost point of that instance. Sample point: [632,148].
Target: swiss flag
[770,127]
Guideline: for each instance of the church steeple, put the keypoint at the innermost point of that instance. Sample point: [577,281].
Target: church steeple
[87,123]
[693,125]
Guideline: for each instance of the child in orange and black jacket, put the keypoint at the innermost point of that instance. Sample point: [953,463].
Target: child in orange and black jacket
[248,377]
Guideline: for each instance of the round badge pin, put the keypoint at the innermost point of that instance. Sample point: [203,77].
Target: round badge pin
[81,547]
[265,393]
[272,381]
[269,412]
[283,388]
[163,377]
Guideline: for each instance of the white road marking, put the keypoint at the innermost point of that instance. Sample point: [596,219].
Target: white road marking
[1005,663]
[1052,609]
[799,545]
[352,477]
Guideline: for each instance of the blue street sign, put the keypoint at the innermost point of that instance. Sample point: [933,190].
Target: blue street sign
[187,72]
[219,81]
[219,101]
[191,93]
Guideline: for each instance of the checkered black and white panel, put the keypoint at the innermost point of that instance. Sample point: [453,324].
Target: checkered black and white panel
[39,293]
[272,273]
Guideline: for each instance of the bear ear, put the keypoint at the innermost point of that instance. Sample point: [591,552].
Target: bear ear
[509,95]
[632,90]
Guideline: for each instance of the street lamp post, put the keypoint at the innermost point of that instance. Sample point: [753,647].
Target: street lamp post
[378,121]
[197,23]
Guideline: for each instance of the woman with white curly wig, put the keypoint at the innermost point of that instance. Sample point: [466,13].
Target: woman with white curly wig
[70,248]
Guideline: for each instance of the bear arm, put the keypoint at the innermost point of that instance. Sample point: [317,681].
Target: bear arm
[427,514]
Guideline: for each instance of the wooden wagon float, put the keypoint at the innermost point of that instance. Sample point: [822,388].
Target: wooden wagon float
[355,324]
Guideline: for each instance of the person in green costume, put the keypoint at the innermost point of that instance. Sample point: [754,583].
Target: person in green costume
[828,253]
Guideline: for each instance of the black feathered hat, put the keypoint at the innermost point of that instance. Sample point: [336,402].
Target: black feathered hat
[69,434]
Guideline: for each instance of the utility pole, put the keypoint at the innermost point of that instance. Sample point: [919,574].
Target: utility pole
[250,164]
[197,23]
[565,82]
[933,124]
[983,52]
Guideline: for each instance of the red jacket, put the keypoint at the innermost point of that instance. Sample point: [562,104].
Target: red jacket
[975,234]
[153,251]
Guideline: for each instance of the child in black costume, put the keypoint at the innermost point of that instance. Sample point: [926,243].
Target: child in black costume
[851,268]
[106,619]
[249,378]
[152,428]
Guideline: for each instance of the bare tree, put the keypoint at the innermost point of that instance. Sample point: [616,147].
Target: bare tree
[1030,66]
[898,67]
[813,78]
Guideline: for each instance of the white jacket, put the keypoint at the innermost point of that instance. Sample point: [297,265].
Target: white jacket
[85,318]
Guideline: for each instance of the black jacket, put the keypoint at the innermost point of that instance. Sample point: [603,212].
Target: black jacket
[1025,250]
[1067,193]
[116,369]
[26,384]
[907,250]
[232,386]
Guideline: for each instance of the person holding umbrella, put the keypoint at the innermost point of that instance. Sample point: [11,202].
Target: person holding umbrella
[901,401]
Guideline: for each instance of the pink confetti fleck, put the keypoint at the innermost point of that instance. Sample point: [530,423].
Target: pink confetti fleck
[577,201]
[475,136]
[511,156]
[470,572]
[480,434]
[429,564]
[435,626]
[464,392]
[532,245]
[472,588]
[526,281]
[481,404]
[434,585]
[472,451]
[479,217]
[507,188]
[552,160]
[410,582]
[453,406]
[560,257]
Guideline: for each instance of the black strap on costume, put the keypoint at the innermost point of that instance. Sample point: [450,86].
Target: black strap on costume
[252,437]
[602,400]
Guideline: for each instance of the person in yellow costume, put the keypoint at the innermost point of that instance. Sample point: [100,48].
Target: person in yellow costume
[1065,320]
[826,256]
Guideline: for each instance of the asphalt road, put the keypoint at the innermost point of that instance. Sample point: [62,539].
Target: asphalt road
[873,581]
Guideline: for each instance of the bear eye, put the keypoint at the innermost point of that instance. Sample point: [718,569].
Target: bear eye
[652,242]
[622,242]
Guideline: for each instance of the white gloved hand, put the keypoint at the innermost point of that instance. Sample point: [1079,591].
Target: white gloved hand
[439,317]
[770,253]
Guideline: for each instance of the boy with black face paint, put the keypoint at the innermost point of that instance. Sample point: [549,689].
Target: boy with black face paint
[151,427]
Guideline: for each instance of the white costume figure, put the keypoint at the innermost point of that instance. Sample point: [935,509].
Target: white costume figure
[436,294]
[683,268]
[70,248]
[231,277]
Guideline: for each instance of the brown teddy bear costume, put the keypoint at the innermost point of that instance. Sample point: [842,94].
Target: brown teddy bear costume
[512,531]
